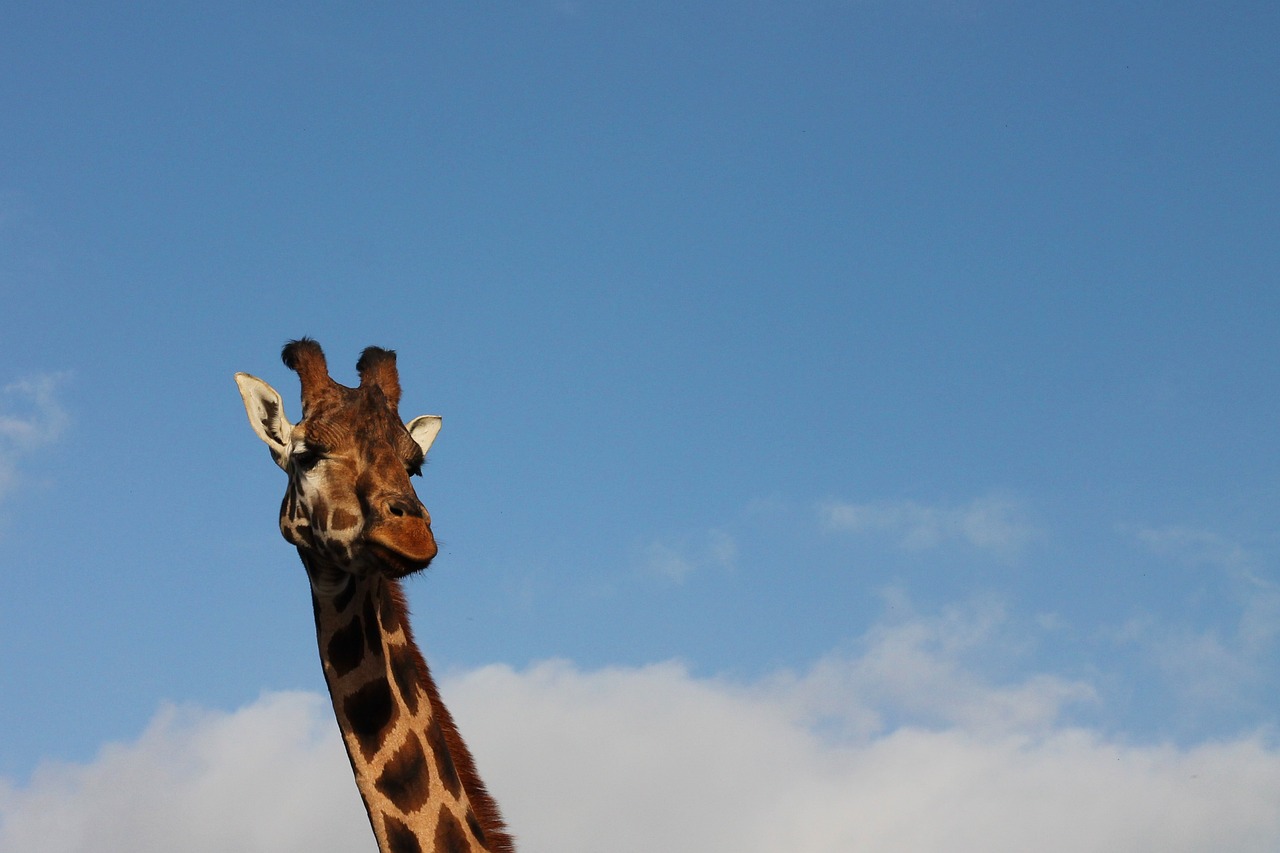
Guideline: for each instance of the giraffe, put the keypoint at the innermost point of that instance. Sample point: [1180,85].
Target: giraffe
[359,527]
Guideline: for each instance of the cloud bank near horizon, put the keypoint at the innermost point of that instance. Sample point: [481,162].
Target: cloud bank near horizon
[901,746]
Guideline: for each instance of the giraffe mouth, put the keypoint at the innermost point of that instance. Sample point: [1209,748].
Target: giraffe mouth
[396,560]
[400,539]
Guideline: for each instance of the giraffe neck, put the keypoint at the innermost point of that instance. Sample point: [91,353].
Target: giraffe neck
[414,772]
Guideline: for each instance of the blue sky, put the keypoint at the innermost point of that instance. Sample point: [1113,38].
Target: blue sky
[923,349]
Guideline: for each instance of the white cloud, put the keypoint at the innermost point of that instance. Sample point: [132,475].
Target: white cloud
[922,671]
[1224,664]
[652,758]
[1197,546]
[271,776]
[40,420]
[992,523]
[714,549]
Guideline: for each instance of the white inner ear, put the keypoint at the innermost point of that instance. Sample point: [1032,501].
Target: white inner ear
[424,430]
[266,415]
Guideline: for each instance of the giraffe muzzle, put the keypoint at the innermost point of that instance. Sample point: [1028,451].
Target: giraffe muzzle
[402,540]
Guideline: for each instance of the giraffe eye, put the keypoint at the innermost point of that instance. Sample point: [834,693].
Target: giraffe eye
[414,469]
[307,455]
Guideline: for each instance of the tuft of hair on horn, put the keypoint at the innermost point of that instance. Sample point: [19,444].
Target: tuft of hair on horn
[305,357]
[377,368]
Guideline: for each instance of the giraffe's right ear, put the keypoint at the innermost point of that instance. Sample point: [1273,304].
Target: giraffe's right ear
[266,415]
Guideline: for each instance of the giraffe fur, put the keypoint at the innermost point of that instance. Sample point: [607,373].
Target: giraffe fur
[359,527]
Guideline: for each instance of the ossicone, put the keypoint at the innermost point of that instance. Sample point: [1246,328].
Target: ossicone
[305,358]
[377,368]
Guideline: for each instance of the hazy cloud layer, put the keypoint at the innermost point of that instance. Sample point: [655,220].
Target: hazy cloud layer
[898,747]
[675,562]
[995,524]
[1226,664]
[30,418]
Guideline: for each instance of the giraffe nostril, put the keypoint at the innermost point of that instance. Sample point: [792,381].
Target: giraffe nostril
[400,508]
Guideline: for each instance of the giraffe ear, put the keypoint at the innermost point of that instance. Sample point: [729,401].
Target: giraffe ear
[266,415]
[424,429]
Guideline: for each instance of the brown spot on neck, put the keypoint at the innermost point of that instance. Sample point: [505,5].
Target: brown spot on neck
[400,838]
[402,738]
[406,779]
[370,711]
[449,835]
[346,647]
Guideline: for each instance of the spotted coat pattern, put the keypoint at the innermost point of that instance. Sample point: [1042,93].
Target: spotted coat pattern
[358,525]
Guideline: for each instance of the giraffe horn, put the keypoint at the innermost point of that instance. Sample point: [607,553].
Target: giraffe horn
[305,357]
[377,367]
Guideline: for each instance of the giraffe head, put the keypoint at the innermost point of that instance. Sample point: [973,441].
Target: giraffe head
[349,507]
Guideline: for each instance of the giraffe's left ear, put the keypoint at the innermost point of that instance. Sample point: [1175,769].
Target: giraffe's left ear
[266,415]
[424,429]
